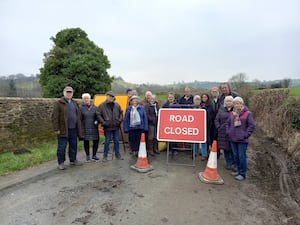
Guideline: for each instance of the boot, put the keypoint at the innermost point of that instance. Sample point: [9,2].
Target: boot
[150,147]
[155,146]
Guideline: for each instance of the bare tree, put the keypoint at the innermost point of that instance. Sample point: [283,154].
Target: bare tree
[256,83]
[286,82]
[238,81]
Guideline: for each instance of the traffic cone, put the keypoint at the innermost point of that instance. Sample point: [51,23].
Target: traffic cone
[142,161]
[210,174]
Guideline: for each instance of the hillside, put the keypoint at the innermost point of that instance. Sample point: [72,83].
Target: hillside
[29,86]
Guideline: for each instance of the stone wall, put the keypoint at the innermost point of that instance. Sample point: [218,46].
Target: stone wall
[27,121]
[24,122]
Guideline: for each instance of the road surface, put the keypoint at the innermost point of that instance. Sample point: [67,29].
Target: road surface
[113,194]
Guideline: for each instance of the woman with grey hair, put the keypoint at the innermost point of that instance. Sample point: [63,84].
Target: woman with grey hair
[90,126]
[220,123]
[135,123]
[240,126]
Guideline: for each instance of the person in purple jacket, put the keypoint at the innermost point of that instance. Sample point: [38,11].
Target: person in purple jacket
[240,126]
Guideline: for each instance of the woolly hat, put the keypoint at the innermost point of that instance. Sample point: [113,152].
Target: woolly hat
[238,99]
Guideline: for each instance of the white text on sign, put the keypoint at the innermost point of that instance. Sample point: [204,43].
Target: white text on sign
[181,130]
[182,118]
[182,125]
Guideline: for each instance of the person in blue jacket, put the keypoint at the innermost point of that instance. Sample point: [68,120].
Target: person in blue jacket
[135,123]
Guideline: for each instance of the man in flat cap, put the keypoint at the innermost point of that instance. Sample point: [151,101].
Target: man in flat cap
[66,120]
[110,116]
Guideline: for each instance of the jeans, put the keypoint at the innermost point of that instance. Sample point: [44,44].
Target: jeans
[108,134]
[240,157]
[196,148]
[62,144]
[204,149]
[228,155]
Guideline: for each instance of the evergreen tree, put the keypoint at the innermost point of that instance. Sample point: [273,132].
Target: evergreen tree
[12,91]
[74,60]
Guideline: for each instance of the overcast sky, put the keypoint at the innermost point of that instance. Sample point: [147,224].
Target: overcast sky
[161,41]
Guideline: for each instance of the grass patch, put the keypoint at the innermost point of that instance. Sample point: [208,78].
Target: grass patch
[295,91]
[162,97]
[9,162]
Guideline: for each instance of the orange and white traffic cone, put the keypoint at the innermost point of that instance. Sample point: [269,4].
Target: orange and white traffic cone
[142,161]
[210,174]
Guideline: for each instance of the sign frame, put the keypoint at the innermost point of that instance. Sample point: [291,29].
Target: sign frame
[198,115]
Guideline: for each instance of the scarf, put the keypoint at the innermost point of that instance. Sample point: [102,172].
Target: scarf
[135,118]
[236,120]
[155,108]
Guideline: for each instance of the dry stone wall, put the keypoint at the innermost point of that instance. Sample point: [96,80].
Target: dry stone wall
[27,121]
[24,122]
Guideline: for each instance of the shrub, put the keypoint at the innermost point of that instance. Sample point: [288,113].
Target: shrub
[292,112]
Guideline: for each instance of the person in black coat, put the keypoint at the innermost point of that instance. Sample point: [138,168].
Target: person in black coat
[206,104]
[226,91]
[90,126]
[220,123]
[110,116]
[151,109]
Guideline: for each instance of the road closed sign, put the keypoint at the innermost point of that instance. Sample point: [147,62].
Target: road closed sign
[182,125]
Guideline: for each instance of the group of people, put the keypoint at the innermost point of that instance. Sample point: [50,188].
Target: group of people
[72,121]
[228,121]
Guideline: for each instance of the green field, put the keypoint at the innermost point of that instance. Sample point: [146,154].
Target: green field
[295,91]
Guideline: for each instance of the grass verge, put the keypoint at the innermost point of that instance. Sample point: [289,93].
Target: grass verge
[9,162]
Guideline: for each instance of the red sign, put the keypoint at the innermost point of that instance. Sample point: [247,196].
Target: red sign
[182,125]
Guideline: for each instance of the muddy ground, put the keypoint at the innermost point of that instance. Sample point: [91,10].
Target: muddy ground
[111,193]
[276,178]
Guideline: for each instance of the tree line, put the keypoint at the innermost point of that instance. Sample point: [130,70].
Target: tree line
[24,86]
[19,85]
